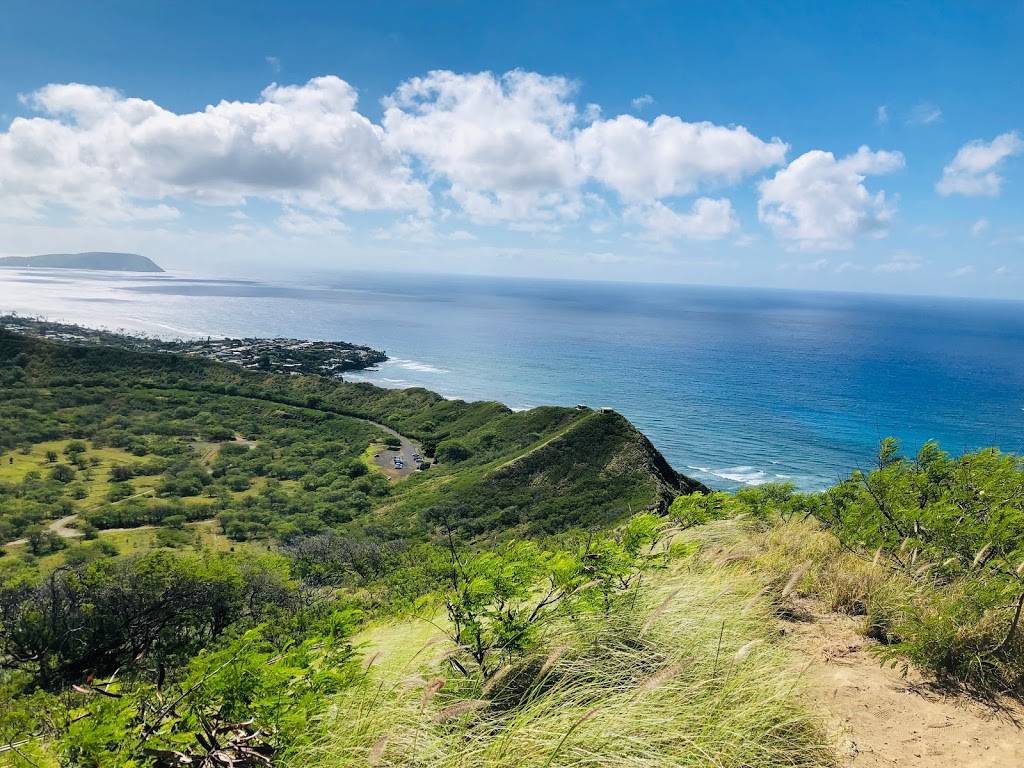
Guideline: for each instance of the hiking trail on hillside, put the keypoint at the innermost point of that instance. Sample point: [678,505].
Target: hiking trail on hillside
[882,719]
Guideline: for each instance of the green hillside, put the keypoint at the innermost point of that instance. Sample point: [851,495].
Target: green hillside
[204,565]
[544,470]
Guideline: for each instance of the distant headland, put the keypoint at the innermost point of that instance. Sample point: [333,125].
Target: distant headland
[118,262]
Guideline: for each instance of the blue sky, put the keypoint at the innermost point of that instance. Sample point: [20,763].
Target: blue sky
[872,146]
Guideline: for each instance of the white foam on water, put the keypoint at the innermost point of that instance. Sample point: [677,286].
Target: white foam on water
[743,474]
[419,367]
[176,329]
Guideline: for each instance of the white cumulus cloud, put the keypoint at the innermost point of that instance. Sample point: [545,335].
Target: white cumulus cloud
[502,144]
[820,203]
[708,219]
[974,170]
[101,153]
[644,161]
[515,148]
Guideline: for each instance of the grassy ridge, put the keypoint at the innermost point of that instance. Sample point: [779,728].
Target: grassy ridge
[414,412]
[541,470]
[593,469]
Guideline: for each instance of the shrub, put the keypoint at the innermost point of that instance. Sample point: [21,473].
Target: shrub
[452,451]
[74,448]
[120,491]
[955,528]
[62,473]
[99,616]
[237,482]
[120,473]
[173,537]
[42,541]
[699,509]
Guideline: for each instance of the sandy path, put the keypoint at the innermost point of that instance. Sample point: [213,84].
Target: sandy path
[62,527]
[884,720]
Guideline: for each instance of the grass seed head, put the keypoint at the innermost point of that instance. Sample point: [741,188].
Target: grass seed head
[746,648]
[982,554]
[459,709]
[431,690]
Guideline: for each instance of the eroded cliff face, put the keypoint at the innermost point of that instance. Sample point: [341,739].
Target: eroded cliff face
[637,451]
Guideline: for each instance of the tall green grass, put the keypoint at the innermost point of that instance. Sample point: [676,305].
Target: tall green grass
[681,673]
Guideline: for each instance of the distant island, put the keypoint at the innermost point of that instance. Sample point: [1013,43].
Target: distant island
[102,260]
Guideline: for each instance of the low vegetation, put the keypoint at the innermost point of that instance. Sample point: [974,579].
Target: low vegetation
[203,568]
[928,550]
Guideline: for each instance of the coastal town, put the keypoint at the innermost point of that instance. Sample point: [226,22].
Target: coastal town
[327,358]
[276,355]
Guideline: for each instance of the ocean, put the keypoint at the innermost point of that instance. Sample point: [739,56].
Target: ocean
[735,386]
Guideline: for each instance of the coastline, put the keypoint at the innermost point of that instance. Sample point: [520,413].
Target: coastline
[799,386]
[727,478]
[332,359]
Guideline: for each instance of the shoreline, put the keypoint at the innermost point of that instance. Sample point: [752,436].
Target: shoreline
[331,359]
[729,477]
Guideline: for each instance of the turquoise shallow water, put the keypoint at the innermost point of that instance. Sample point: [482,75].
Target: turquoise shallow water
[735,386]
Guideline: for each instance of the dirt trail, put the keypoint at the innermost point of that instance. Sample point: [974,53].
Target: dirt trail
[63,527]
[882,719]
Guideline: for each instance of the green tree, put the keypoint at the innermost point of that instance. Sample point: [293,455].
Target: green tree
[452,451]
[62,473]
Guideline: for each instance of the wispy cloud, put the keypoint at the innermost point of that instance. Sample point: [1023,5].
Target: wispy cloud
[924,113]
[900,262]
[848,266]
[640,102]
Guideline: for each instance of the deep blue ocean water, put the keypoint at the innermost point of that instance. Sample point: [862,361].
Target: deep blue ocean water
[734,385]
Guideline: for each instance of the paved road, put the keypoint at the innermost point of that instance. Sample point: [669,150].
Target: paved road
[386,459]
